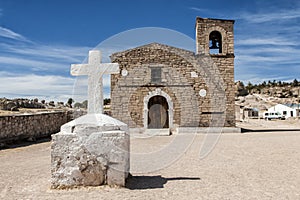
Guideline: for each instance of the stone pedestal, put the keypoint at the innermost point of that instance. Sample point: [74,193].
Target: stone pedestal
[92,150]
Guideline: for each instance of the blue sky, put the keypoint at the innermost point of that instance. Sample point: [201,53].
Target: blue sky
[40,39]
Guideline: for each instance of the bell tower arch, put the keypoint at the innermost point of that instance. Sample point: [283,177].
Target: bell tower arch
[214,36]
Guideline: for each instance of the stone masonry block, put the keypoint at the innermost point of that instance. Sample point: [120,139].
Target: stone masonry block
[90,153]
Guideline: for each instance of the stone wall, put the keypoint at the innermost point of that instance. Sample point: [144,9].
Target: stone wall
[226,68]
[31,126]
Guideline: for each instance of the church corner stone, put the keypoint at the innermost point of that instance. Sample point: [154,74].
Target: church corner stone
[92,150]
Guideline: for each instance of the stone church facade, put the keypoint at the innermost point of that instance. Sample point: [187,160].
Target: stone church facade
[161,86]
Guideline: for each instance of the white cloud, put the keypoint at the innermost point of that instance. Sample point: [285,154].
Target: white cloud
[267,46]
[35,85]
[199,9]
[265,59]
[281,15]
[34,57]
[272,50]
[49,87]
[66,53]
[23,60]
[266,41]
[31,64]
[7,33]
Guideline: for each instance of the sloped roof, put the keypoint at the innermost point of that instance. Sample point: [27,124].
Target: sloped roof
[154,45]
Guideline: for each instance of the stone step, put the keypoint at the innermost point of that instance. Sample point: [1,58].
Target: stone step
[158,132]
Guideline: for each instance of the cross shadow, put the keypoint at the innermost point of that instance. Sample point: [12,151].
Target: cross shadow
[152,182]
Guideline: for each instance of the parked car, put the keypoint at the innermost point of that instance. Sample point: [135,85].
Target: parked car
[273,115]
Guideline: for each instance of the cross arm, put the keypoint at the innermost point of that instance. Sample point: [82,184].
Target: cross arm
[79,69]
[109,68]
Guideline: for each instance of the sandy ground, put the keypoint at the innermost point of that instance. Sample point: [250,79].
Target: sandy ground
[253,165]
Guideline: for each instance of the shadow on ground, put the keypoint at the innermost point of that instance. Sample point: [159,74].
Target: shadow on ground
[22,143]
[267,130]
[152,182]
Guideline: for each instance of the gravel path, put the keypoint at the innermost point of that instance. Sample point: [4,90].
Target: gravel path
[241,166]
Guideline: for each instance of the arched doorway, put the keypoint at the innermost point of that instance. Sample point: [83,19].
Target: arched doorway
[163,99]
[158,109]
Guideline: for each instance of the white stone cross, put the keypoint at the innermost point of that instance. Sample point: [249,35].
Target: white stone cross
[95,71]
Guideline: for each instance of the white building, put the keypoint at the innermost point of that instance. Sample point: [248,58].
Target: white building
[288,110]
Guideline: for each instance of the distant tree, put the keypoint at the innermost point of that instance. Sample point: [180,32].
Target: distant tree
[81,105]
[295,83]
[249,87]
[279,83]
[77,105]
[269,83]
[70,102]
[84,104]
[106,101]
[51,103]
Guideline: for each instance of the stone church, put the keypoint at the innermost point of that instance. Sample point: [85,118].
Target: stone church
[161,86]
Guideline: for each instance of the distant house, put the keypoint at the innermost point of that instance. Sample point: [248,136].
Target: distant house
[242,113]
[288,110]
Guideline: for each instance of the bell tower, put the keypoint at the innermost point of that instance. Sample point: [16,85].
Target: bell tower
[214,36]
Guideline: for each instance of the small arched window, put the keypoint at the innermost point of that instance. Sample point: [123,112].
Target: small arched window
[215,42]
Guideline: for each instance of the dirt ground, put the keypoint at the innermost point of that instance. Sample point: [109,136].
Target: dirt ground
[252,165]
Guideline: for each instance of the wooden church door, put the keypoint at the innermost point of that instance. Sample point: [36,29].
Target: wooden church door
[158,113]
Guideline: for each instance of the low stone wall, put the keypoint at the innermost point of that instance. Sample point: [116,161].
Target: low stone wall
[32,126]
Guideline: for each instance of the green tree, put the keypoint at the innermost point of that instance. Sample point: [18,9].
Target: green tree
[70,102]
[249,86]
[269,83]
[295,83]
[106,101]
[77,105]
[279,83]
[84,104]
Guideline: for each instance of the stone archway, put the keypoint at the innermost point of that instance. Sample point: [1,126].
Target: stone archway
[169,117]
